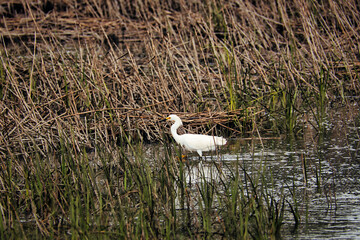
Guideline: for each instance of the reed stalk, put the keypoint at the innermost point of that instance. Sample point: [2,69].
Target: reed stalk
[79,100]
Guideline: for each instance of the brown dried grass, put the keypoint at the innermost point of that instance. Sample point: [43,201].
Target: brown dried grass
[96,72]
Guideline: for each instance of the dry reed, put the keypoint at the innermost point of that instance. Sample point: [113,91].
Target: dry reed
[101,71]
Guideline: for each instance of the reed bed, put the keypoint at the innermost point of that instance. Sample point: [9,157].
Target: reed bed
[100,73]
[81,76]
[123,194]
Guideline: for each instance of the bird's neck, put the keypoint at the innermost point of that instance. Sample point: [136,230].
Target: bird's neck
[174,128]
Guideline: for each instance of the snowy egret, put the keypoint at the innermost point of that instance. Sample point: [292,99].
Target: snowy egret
[194,142]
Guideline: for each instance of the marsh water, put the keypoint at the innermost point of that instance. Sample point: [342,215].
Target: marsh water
[325,178]
[320,176]
[316,176]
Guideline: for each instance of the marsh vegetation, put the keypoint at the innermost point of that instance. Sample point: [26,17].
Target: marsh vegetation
[83,85]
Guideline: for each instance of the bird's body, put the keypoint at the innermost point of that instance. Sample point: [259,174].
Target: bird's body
[194,142]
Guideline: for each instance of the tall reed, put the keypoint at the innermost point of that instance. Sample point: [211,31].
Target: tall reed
[117,78]
[126,194]
[73,91]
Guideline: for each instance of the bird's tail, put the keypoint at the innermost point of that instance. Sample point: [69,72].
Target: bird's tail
[220,141]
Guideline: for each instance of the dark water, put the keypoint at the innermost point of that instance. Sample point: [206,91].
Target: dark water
[325,175]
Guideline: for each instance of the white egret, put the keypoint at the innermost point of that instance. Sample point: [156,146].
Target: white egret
[194,142]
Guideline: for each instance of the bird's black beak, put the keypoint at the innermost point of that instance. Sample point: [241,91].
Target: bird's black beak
[163,120]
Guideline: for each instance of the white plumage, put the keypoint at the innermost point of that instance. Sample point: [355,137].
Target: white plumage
[194,142]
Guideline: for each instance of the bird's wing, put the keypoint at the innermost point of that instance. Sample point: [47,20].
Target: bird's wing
[195,142]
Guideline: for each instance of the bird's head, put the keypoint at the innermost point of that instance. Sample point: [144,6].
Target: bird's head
[173,118]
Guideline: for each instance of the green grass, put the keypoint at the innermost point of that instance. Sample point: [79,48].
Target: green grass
[113,194]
